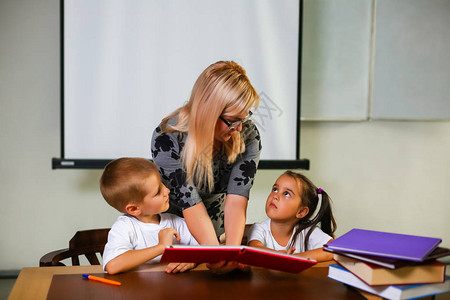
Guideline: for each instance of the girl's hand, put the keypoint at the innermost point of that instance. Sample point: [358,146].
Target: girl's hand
[291,251]
[179,267]
[165,236]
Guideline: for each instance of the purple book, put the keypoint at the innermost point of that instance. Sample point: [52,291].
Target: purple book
[385,244]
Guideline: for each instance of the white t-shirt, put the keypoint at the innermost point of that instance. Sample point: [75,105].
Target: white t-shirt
[261,232]
[128,233]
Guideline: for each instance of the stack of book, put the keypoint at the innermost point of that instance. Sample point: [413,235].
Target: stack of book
[390,265]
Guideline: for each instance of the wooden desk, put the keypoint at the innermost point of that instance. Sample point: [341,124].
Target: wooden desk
[150,281]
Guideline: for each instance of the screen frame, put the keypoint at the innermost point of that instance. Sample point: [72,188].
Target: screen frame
[64,162]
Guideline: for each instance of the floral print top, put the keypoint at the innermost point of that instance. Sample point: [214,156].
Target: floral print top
[236,178]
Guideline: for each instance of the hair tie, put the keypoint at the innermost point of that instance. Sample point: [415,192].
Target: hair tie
[319,191]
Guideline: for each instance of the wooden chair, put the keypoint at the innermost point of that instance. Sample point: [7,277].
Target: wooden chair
[86,242]
[245,237]
[89,243]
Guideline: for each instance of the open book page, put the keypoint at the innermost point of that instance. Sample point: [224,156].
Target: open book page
[243,254]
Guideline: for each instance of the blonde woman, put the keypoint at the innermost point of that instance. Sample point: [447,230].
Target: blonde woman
[207,152]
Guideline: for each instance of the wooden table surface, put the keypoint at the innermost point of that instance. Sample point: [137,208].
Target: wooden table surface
[151,281]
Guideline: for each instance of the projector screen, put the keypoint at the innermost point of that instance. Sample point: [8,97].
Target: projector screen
[128,64]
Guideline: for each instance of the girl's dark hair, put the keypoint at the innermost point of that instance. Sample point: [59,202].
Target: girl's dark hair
[310,198]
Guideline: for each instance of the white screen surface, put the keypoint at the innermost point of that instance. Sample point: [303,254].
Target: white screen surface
[128,64]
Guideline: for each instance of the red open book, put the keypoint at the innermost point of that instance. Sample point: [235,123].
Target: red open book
[243,254]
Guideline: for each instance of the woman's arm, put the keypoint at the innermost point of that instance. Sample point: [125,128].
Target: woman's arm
[166,153]
[235,218]
[239,184]
[200,225]
[235,210]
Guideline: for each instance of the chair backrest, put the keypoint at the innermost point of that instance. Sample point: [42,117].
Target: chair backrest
[245,236]
[87,242]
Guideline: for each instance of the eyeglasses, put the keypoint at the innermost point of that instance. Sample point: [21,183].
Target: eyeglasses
[234,125]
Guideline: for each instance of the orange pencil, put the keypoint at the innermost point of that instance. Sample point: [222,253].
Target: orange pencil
[104,280]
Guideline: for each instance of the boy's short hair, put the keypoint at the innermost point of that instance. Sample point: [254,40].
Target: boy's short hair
[122,179]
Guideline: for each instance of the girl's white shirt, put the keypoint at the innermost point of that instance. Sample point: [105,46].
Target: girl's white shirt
[261,232]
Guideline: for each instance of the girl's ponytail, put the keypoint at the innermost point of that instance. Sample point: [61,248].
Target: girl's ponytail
[325,215]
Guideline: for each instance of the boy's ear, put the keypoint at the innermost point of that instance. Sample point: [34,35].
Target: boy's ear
[133,209]
[302,212]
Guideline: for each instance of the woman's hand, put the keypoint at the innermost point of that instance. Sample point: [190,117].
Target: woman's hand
[223,267]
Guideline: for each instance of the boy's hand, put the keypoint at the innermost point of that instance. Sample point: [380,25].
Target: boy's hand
[165,236]
[179,267]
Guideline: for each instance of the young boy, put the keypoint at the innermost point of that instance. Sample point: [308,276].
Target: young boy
[133,186]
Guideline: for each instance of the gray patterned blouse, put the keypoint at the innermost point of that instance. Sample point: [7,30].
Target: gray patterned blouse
[236,178]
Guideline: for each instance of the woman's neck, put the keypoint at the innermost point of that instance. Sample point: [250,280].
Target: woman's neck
[217,146]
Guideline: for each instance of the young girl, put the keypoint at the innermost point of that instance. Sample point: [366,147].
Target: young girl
[292,224]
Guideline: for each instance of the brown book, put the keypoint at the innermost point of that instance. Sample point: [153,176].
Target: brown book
[431,272]
[393,263]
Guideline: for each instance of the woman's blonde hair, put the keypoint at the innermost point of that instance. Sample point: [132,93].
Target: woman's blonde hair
[221,89]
